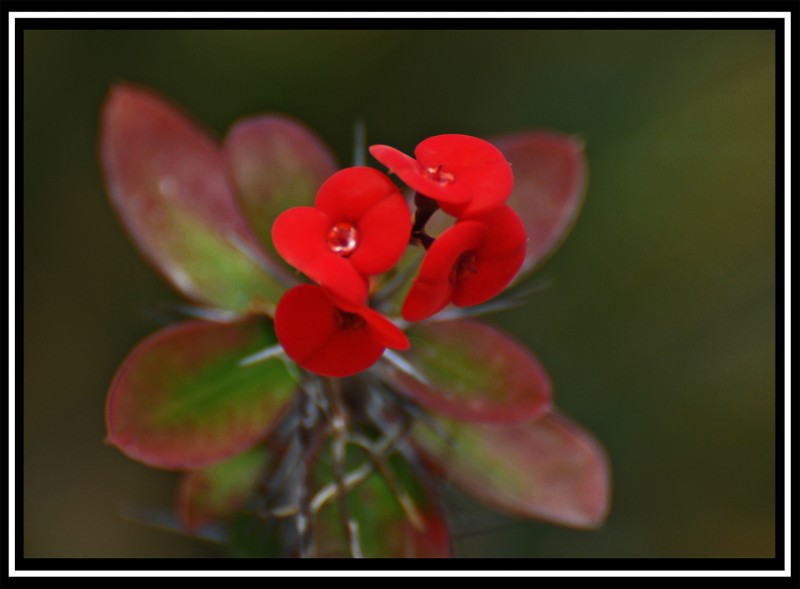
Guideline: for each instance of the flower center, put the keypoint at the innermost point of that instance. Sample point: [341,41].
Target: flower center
[345,320]
[465,266]
[441,178]
[343,239]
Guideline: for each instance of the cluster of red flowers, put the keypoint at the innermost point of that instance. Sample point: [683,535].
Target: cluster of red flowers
[360,226]
[213,396]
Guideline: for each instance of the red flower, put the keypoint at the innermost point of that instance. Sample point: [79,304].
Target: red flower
[464,174]
[325,339]
[468,264]
[359,226]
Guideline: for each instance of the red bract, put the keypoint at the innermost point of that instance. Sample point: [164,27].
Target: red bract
[464,174]
[359,225]
[328,340]
[468,264]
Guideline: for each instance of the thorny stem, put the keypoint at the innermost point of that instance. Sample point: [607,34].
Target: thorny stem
[287,483]
[323,407]
[305,520]
[274,478]
[339,431]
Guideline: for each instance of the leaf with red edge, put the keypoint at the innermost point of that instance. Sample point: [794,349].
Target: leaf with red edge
[181,399]
[275,163]
[471,371]
[549,469]
[222,490]
[549,185]
[385,528]
[167,181]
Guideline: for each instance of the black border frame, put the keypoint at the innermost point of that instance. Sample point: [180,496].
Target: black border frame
[778,24]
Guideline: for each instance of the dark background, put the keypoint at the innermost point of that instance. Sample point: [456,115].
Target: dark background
[658,325]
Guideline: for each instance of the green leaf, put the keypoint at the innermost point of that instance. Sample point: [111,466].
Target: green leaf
[222,490]
[181,399]
[471,371]
[549,469]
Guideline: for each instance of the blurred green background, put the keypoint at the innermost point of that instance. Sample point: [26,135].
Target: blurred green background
[658,325]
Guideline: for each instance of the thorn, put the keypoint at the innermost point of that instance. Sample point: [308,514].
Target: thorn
[284,511]
[208,313]
[355,544]
[359,142]
[403,365]
[330,490]
[265,354]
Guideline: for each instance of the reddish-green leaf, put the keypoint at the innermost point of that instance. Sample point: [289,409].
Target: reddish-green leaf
[471,371]
[549,184]
[549,469]
[181,400]
[385,528]
[275,164]
[222,490]
[167,181]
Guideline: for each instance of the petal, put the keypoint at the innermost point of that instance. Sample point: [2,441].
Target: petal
[549,185]
[385,529]
[496,262]
[471,371]
[181,399]
[549,469]
[275,163]
[474,163]
[458,153]
[412,173]
[384,331]
[221,490]
[350,193]
[384,233]
[395,160]
[300,237]
[347,353]
[369,200]
[340,279]
[167,182]
[432,289]
[307,327]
